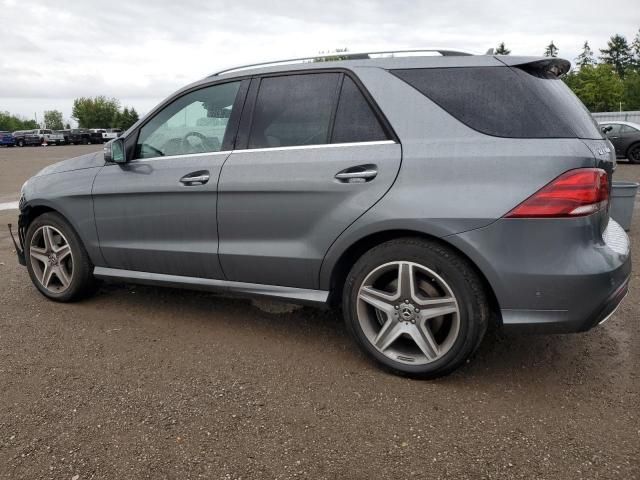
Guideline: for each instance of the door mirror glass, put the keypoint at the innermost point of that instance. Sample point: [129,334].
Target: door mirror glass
[114,151]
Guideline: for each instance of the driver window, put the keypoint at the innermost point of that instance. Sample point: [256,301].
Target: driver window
[194,123]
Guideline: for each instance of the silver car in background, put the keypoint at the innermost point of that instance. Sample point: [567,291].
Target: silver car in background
[426,196]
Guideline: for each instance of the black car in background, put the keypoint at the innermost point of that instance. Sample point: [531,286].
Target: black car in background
[625,137]
[26,137]
[81,136]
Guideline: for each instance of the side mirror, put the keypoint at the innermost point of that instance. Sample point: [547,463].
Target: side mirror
[114,151]
[607,129]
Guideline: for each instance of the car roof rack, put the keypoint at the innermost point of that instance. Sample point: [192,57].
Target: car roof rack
[342,56]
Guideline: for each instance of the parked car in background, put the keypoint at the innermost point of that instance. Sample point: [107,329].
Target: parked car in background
[26,137]
[428,196]
[49,137]
[99,131]
[64,137]
[111,133]
[625,137]
[7,140]
[81,136]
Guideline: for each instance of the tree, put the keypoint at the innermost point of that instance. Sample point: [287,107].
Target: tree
[11,123]
[331,56]
[631,96]
[635,51]
[95,112]
[599,87]
[53,120]
[551,50]
[126,118]
[502,50]
[586,56]
[618,54]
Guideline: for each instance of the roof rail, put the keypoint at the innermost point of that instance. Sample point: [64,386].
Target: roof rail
[342,56]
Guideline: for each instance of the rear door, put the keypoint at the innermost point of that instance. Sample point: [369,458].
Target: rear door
[157,212]
[313,154]
[628,135]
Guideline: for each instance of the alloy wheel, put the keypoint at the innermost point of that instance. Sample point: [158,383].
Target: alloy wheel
[408,312]
[51,259]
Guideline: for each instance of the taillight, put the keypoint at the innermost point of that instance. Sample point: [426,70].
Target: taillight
[573,194]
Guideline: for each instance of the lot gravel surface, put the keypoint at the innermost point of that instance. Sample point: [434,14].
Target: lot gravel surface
[142,382]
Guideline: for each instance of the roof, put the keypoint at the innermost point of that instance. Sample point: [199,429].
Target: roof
[620,122]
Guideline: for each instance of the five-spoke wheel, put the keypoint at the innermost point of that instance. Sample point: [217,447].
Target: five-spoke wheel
[408,312]
[57,261]
[415,306]
[51,258]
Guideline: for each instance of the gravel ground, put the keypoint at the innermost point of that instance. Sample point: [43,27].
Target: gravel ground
[142,382]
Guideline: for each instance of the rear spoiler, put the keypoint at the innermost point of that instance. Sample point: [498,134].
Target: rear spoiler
[555,66]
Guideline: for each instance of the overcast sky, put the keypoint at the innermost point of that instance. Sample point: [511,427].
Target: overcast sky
[140,51]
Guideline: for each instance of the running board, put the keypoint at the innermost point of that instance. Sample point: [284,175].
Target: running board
[291,294]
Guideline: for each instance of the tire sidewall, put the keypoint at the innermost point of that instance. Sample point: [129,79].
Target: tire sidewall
[469,328]
[81,268]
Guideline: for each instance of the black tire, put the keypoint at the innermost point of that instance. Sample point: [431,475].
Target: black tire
[633,153]
[21,143]
[82,282]
[463,281]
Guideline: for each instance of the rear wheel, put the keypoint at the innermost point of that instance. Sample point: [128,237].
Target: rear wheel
[57,262]
[633,154]
[416,307]
[21,143]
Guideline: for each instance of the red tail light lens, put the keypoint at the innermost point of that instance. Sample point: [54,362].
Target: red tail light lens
[573,194]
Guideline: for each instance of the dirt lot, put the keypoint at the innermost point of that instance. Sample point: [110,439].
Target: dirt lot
[142,382]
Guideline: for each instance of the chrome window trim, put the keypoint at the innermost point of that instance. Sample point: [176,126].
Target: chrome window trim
[268,149]
[317,145]
[183,155]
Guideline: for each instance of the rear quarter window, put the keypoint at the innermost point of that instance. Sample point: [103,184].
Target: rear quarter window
[505,102]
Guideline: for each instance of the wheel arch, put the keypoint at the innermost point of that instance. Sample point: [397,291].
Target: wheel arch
[350,256]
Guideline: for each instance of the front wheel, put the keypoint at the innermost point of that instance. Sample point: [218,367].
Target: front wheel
[633,154]
[57,262]
[416,307]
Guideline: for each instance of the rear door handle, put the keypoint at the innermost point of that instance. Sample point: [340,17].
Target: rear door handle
[195,178]
[360,174]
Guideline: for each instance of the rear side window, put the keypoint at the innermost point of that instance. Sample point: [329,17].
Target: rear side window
[294,110]
[355,119]
[627,129]
[505,102]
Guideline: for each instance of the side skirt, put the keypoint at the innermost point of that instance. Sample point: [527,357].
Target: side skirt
[290,294]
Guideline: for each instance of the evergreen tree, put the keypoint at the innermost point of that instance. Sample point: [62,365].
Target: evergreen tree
[586,56]
[551,50]
[502,50]
[617,54]
[635,51]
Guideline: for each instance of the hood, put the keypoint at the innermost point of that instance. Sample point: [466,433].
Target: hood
[90,160]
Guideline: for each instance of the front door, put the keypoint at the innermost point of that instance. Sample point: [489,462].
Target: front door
[317,156]
[157,212]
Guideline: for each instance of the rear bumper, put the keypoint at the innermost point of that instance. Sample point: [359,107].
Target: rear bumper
[552,276]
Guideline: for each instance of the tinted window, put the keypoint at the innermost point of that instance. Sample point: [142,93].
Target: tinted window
[614,128]
[294,110]
[627,129]
[355,119]
[194,123]
[505,102]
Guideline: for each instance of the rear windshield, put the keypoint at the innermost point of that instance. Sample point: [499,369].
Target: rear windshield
[505,102]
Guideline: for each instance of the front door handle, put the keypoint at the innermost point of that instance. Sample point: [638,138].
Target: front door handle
[195,178]
[360,174]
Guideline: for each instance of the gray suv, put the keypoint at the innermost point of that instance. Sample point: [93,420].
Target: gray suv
[427,196]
